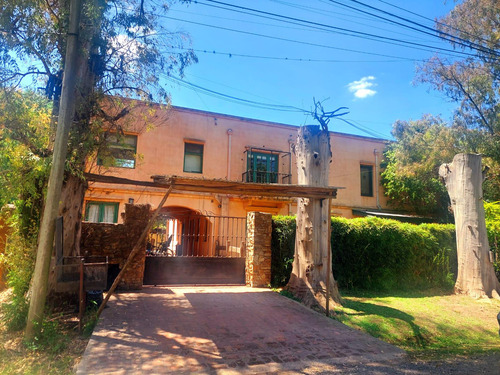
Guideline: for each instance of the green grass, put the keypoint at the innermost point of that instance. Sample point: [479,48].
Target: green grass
[56,352]
[424,323]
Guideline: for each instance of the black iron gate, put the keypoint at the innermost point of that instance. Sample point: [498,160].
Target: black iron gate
[196,249]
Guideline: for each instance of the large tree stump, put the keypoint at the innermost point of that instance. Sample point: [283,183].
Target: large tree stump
[464,179]
[312,241]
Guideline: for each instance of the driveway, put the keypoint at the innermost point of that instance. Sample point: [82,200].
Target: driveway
[222,330]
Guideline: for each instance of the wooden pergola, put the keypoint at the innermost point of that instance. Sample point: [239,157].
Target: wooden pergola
[204,185]
[219,186]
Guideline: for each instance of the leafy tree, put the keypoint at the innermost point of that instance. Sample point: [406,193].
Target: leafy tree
[410,177]
[24,148]
[122,51]
[24,167]
[473,83]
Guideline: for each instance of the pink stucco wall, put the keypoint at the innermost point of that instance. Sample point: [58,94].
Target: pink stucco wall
[160,148]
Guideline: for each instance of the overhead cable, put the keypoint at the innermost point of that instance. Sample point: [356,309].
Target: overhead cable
[341,29]
[441,34]
[290,40]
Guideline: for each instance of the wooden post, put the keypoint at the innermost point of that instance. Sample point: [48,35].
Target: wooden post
[81,302]
[135,250]
[66,114]
[329,258]
[464,179]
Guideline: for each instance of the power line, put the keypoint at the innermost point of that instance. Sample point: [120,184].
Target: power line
[365,129]
[433,21]
[232,54]
[283,26]
[232,88]
[454,38]
[371,133]
[289,40]
[237,8]
[352,19]
[440,34]
[274,107]
[262,105]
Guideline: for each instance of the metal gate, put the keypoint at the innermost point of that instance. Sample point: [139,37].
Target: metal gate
[196,249]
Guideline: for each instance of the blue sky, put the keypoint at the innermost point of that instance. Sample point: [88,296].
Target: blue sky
[288,63]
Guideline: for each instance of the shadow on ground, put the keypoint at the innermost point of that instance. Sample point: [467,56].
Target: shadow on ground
[214,330]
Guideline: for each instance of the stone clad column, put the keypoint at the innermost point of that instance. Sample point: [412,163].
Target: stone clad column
[258,249]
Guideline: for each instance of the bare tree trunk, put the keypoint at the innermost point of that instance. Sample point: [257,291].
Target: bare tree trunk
[74,187]
[312,242]
[73,192]
[463,178]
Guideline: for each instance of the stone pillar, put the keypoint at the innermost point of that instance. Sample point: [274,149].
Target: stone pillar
[258,252]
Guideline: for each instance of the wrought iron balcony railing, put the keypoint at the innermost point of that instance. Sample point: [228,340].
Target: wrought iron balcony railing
[264,177]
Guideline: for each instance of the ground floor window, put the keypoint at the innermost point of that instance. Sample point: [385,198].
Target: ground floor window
[102,212]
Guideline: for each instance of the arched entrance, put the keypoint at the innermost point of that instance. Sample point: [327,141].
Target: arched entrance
[186,247]
[180,231]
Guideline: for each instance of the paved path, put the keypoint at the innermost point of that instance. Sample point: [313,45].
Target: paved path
[222,330]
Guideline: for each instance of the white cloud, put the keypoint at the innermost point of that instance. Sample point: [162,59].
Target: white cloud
[363,88]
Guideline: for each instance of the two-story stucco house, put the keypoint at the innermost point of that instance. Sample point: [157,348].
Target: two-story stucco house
[201,237]
[187,142]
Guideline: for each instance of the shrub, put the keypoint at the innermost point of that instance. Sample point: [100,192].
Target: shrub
[374,253]
[492,212]
[283,248]
[19,260]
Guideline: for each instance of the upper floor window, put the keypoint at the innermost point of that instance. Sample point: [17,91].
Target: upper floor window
[120,151]
[193,157]
[366,180]
[102,212]
[262,168]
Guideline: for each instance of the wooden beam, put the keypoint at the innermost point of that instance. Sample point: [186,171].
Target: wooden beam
[135,250]
[202,185]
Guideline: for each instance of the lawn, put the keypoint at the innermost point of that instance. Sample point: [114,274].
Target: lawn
[425,323]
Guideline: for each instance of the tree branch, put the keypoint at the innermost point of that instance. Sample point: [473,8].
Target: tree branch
[469,97]
[22,75]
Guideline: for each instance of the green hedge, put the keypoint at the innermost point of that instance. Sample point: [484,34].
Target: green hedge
[492,212]
[282,249]
[373,253]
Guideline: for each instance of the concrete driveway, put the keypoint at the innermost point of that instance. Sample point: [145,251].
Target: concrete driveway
[222,330]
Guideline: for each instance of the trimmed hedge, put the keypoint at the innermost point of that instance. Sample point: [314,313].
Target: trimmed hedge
[282,249]
[374,253]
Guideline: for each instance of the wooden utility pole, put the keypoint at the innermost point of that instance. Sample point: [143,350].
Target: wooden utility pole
[464,182]
[311,270]
[66,115]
